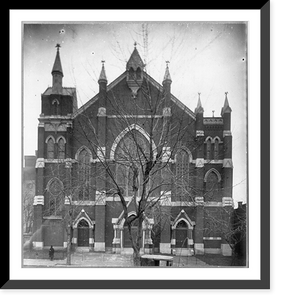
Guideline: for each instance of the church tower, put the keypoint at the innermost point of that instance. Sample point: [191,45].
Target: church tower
[54,148]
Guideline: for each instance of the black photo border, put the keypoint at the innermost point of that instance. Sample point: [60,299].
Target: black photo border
[264,282]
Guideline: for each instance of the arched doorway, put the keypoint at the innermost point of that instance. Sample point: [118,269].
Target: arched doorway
[181,235]
[83,233]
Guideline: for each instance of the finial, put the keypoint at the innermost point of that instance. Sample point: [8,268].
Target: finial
[213,113]
[199,95]
[58,46]
[167,63]
[135,44]
[102,74]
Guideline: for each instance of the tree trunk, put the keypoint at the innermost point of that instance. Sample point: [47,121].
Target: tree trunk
[136,257]
[68,248]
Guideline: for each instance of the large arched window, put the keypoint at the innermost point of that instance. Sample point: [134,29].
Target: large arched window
[84,169]
[50,148]
[182,173]
[130,156]
[55,194]
[212,187]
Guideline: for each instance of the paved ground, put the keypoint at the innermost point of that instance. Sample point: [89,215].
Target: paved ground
[106,260]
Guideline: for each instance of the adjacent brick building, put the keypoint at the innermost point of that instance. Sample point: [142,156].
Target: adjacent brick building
[74,143]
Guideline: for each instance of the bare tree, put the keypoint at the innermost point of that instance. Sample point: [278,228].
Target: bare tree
[140,166]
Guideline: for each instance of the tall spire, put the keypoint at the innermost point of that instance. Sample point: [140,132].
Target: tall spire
[167,76]
[199,108]
[226,108]
[102,74]
[57,73]
[57,64]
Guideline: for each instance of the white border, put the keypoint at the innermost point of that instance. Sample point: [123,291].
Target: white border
[253,17]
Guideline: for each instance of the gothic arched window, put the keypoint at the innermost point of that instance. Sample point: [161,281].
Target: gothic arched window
[131,74]
[212,191]
[208,148]
[50,148]
[61,148]
[216,149]
[130,156]
[55,194]
[182,173]
[55,104]
[84,168]
[138,73]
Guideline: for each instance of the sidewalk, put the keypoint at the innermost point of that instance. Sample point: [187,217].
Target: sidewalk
[107,260]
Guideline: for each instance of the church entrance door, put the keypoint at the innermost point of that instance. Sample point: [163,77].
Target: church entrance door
[83,234]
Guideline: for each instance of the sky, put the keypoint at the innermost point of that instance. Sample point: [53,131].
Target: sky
[204,57]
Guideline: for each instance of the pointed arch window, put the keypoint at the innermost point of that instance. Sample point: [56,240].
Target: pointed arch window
[55,104]
[61,148]
[212,187]
[131,74]
[208,149]
[55,195]
[84,169]
[216,149]
[130,155]
[182,173]
[50,148]
[138,73]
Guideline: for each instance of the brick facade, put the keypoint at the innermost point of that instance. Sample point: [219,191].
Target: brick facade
[74,143]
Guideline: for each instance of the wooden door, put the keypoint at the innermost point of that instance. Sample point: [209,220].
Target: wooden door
[83,234]
[181,235]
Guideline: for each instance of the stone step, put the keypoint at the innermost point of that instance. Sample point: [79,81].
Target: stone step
[82,249]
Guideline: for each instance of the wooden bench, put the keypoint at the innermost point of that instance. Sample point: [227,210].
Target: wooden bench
[159,260]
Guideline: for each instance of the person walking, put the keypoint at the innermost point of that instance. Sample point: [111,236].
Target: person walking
[51,253]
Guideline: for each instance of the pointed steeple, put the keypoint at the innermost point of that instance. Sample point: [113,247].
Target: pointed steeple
[57,64]
[102,77]
[226,108]
[167,76]
[199,108]
[135,60]
[57,73]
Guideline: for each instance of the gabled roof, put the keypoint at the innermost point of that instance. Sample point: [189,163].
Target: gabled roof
[149,79]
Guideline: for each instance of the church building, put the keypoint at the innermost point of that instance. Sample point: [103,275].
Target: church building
[81,157]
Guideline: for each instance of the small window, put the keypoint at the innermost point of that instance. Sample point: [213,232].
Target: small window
[216,149]
[61,149]
[208,150]
[50,148]
[55,104]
